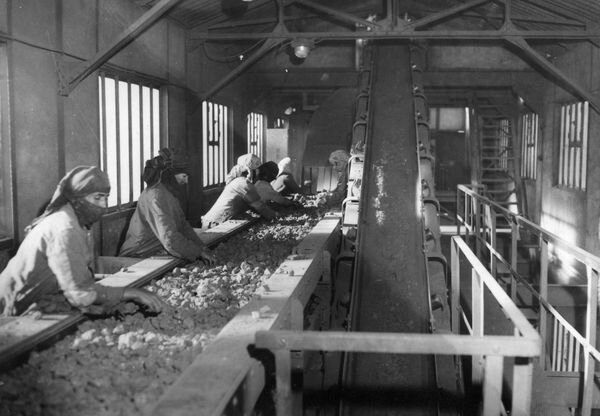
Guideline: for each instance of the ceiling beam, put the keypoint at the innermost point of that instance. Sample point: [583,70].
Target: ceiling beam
[336,13]
[408,34]
[444,14]
[534,58]
[323,78]
[265,47]
[68,83]
[528,19]
[478,79]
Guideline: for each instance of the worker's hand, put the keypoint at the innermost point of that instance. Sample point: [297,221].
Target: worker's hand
[322,200]
[148,299]
[207,257]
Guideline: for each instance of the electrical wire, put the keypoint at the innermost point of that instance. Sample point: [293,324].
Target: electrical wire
[234,57]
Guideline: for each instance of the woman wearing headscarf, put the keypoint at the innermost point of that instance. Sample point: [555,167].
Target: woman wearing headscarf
[266,173]
[246,166]
[339,159]
[56,256]
[158,225]
[285,183]
[238,196]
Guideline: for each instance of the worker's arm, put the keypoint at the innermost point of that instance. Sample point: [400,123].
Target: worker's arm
[252,198]
[160,217]
[68,253]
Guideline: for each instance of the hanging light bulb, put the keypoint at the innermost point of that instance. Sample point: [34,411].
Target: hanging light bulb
[302,47]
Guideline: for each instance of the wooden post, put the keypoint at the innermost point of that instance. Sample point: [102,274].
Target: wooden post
[513,258]
[522,387]
[455,286]
[492,219]
[296,358]
[477,322]
[544,295]
[590,335]
[492,386]
[283,377]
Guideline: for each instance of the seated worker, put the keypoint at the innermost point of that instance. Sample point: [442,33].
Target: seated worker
[246,165]
[285,183]
[339,159]
[264,175]
[56,256]
[158,225]
[237,197]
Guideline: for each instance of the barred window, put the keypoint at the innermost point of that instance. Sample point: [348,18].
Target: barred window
[529,145]
[504,135]
[572,160]
[256,133]
[215,143]
[129,133]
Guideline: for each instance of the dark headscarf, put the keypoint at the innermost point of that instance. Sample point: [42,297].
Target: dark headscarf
[164,167]
[267,171]
[76,184]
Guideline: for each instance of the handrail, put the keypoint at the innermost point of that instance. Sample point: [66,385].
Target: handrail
[567,342]
[487,351]
[579,253]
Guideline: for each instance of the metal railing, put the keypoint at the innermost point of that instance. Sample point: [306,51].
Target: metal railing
[565,349]
[488,352]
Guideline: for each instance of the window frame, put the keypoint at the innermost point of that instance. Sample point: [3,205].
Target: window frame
[256,128]
[144,137]
[529,135]
[217,130]
[572,163]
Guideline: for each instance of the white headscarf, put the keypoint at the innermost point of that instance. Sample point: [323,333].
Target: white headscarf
[245,163]
[285,165]
[339,155]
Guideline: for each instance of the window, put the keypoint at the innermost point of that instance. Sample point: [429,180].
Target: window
[6,196]
[215,143]
[572,158]
[256,133]
[448,118]
[504,143]
[129,134]
[529,145]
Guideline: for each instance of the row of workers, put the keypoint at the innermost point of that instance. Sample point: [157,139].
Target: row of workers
[56,255]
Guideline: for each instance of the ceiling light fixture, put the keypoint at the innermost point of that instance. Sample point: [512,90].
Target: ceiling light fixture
[302,47]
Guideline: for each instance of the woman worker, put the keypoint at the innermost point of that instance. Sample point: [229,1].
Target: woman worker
[238,196]
[246,165]
[158,225]
[285,183]
[265,174]
[339,159]
[56,255]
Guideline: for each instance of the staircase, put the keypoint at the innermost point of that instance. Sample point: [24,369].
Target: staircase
[498,172]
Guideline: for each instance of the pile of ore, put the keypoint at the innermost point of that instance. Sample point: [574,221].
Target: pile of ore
[121,365]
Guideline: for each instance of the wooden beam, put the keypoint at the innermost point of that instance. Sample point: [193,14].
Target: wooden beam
[410,33]
[125,38]
[532,56]
[400,343]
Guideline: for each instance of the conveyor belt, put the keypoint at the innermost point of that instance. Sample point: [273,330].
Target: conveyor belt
[391,293]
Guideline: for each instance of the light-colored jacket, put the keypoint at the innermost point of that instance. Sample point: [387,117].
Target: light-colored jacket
[56,256]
